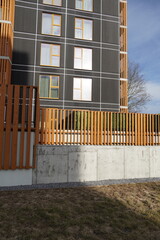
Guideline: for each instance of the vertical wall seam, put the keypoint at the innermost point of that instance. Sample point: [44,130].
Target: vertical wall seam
[65,46]
[101,38]
[35,45]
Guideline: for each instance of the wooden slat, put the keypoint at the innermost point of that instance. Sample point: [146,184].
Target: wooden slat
[42,125]
[21,164]
[53,126]
[29,128]
[8,128]
[2,107]
[37,117]
[15,127]
[92,135]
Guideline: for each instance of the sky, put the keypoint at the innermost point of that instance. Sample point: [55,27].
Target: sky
[144,45]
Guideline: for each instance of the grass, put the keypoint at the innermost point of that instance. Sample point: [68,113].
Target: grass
[118,212]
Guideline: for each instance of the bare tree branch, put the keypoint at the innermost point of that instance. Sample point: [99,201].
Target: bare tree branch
[137,91]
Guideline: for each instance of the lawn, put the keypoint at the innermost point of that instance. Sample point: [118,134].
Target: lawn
[117,212]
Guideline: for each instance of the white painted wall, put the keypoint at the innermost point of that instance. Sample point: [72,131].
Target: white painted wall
[15,177]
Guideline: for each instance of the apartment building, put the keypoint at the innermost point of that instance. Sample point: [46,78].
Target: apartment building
[74,50]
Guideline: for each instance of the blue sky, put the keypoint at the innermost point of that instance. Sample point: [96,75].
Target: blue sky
[144,45]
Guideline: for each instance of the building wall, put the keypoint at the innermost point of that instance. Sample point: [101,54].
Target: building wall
[105,73]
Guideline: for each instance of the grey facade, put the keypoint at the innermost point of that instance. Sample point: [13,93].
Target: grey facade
[105,73]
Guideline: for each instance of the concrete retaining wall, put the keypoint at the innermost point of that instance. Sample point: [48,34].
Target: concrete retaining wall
[60,164]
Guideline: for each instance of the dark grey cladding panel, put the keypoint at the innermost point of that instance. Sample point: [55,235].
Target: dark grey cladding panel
[82,104]
[108,105]
[82,73]
[110,32]
[110,45]
[51,103]
[110,61]
[96,30]
[23,67]
[110,109]
[25,20]
[95,90]
[85,43]
[29,1]
[50,39]
[113,76]
[70,26]
[49,70]
[70,57]
[96,6]
[23,51]
[68,88]
[71,4]
[111,7]
[22,78]
[63,26]
[96,59]
[110,91]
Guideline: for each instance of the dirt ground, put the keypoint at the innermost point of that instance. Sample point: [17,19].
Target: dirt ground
[117,212]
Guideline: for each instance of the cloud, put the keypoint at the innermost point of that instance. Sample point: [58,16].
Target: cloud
[153,106]
[153,89]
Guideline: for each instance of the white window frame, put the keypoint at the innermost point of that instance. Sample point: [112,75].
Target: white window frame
[51,55]
[50,85]
[53,3]
[83,28]
[52,24]
[82,58]
[83,6]
[81,89]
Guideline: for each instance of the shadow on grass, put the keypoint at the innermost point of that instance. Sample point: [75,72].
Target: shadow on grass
[85,213]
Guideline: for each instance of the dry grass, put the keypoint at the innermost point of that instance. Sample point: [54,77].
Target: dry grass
[130,212]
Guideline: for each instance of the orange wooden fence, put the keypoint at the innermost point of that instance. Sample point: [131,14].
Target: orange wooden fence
[98,128]
[19,125]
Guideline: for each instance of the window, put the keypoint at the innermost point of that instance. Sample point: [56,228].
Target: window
[86,5]
[82,89]
[50,55]
[51,24]
[83,58]
[49,87]
[53,2]
[83,28]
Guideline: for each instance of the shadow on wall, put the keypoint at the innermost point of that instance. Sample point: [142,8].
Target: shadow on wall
[20,70]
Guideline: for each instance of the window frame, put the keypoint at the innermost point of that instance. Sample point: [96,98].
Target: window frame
[82,9]
[50,86]
[52,4]
[52,23]
[51,55]
[83,19]
[81,89]
[82,58]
